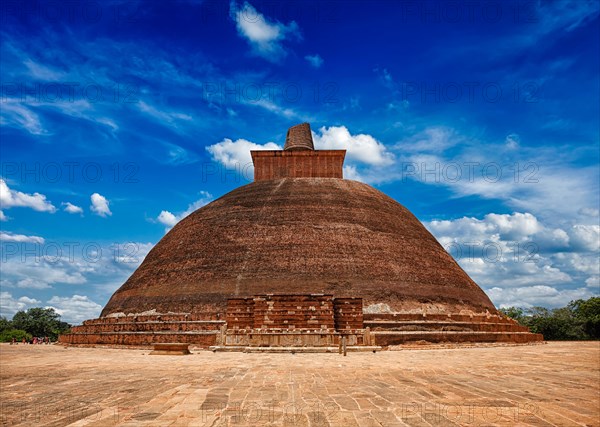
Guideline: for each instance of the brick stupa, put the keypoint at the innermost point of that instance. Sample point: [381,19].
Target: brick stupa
[301,256]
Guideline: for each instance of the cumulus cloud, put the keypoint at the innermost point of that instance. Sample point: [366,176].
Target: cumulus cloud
[540,296]
[169,219]
[265,36]
[43,266]
[100,205]
[360,148]
[72,209]
[314,60]
[19,238]
[10,305]
[75,309]
[30,283]
[585,237]
[517,254]
[3,217]
[236,154]
[12,198]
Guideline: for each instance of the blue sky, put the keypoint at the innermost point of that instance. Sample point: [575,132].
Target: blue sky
[120,118]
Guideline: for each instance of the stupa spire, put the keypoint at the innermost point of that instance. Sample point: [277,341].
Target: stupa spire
[299,137]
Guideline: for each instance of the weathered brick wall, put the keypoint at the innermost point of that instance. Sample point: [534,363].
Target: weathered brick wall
[293,311]
[348,313]
[205,339]
[240,313]
[476,318]
[270,165]
[199,329]
[313,311]
[390,338]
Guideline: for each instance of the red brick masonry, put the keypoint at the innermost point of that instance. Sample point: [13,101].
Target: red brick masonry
[297,320]
[275,164]
[314,311]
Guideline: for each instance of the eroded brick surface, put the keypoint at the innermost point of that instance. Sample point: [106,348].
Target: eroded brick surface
[300,235]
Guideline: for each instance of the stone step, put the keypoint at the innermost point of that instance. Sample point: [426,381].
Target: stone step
[386,338]
[247,349]
[202,338]
[424,325]
[436,317]
[149,326]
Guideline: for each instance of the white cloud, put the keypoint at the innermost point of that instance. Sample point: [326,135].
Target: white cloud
[591,212]
[236,154]
[585,237]
[12,198]
[100,205]
[433,140]
[517,251]
[523,178]
[3,217]
[169,219]
[43,265]
[360,148]
[350,172]
[41,72]
[512,141]
[541,296]
[86,263]
[72,209]
[385,77]
[170,118]
[265,36]
[271,106]
[9,305]
[75,309]
[314,60]
[19,116]
[30,283]
[19,238]
[593,282]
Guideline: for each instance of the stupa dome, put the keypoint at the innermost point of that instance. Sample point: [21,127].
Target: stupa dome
[300,236]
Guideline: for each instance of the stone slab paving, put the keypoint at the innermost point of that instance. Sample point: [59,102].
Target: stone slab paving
[557,384]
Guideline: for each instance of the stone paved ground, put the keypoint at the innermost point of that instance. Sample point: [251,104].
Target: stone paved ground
[544,385]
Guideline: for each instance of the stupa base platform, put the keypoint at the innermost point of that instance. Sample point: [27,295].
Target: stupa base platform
[382,330]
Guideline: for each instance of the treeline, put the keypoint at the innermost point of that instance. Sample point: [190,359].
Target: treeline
[579,320]
[35,322]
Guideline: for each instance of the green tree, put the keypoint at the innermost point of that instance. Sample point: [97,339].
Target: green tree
[588,313]
[5,324]
[515,313]
[40,322]
[7,335]
[579,320]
